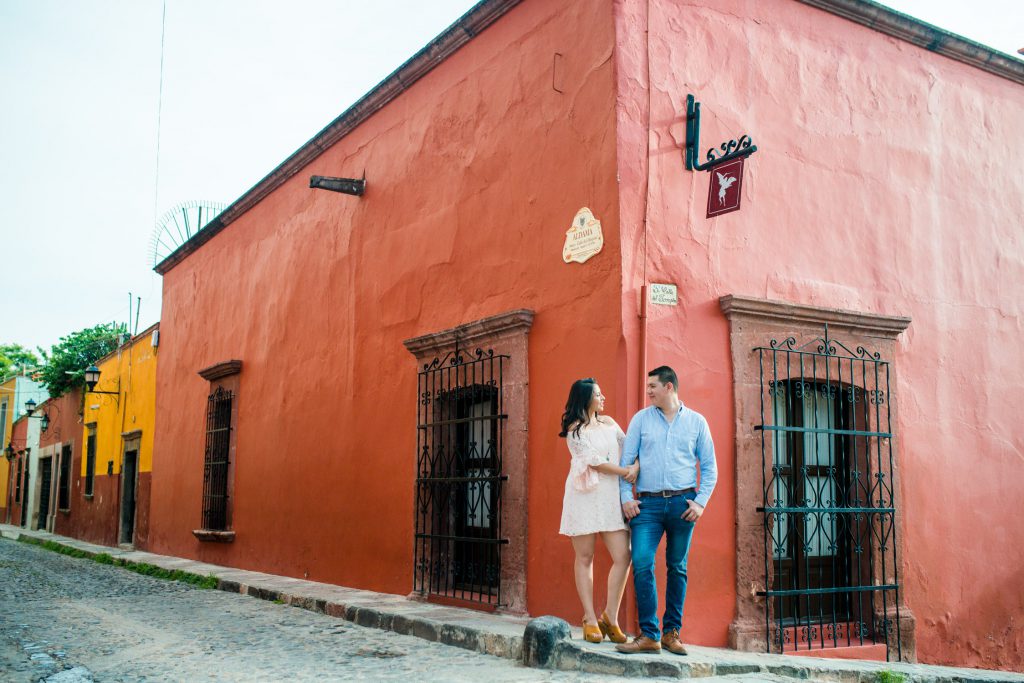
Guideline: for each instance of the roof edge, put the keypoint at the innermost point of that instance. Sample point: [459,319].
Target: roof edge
[467,27]
[932,38]
[870,14]
[132,341]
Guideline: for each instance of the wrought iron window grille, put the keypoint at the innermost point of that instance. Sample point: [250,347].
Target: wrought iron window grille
[459,477]
[831,570]
[216,460]
[64,479]
[90,461]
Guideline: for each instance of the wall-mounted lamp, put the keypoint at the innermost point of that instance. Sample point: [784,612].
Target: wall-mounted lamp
[9,452]
[92,378]
[30,407]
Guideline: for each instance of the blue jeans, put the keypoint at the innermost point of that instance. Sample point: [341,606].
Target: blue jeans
[658,517]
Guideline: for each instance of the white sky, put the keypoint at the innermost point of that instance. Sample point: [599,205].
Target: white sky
[246,82]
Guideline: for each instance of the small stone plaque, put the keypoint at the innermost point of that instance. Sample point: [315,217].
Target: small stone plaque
[583,239]
[664,294]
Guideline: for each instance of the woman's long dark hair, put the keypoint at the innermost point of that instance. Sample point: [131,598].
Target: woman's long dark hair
[580,395]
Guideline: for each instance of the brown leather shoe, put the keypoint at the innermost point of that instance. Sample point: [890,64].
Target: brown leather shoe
[640,645]
[670,641]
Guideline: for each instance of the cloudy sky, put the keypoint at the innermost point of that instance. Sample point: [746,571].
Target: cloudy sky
[245,83]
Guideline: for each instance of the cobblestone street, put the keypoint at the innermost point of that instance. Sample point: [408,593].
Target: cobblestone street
[66,619]
[58,613]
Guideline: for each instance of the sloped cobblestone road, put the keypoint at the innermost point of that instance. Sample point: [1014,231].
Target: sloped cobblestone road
[64,619]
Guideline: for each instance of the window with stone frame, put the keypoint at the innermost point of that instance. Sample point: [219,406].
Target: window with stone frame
[64,478]
[90,460]
[470,527]
[219,453]
[802,435]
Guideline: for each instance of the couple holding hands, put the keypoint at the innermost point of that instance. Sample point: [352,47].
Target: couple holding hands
[659,454]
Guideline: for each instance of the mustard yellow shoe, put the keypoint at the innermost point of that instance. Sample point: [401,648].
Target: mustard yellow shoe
[613,633]
[592,632]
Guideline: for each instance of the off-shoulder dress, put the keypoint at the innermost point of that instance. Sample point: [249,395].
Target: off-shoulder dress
[591,502]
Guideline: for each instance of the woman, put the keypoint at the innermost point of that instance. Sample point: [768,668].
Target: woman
[591,504]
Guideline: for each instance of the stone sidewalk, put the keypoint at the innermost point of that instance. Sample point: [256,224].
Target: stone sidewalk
[547,642]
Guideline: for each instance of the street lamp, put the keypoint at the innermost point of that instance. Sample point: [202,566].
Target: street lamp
[92,378]
[30,407]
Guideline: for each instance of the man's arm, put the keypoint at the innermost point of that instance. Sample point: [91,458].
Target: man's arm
[708,465]
[630,452]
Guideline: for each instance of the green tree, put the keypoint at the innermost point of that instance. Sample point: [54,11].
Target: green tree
[14,356]
[66,363]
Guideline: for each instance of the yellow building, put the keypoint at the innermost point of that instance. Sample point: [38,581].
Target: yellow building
[117,445]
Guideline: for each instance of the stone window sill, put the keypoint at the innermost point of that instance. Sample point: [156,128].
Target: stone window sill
[209,535]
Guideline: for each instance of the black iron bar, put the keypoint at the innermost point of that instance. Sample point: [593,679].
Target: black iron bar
[417,555]
[881,518]
[835,454]
[764,490]
[463,421]
[814,430]
[802,477]
[499,467]
[800,509]
[826,591]
[858,550]
[892,501]
[784,540]
[464,480]
[820,491]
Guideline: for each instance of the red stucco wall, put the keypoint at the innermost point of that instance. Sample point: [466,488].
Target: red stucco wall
[887,180]
[90,519]
[474,175]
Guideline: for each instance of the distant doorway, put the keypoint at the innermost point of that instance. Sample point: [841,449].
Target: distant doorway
[45,483]
[24,491]
[129,483]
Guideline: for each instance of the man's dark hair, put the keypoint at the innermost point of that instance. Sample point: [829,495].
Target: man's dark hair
[665,374]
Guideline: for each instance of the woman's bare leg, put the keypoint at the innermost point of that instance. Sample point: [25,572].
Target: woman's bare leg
[584,570]
[617,543]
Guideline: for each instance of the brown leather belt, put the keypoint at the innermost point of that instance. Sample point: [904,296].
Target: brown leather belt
[664,494]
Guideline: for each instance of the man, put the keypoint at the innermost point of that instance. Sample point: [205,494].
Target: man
[671,441]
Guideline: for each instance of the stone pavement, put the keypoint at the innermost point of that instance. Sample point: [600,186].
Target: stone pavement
[548,643]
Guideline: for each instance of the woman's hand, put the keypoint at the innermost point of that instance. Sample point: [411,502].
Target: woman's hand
[632,472]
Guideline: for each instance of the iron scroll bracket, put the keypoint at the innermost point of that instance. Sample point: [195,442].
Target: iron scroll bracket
[733,149]
[352,186]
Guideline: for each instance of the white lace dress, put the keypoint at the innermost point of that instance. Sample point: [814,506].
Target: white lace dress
[591,502]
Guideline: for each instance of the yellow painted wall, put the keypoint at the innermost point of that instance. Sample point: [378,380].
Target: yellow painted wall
[130,371]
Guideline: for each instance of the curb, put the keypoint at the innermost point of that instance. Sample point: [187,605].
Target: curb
[575,655]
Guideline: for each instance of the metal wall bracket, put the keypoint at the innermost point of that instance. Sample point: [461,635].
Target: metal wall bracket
[351,186]
[733,149]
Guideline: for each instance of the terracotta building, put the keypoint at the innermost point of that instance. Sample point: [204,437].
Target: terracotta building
[363,386]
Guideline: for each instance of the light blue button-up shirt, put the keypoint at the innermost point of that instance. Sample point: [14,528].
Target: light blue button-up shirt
[670,453]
